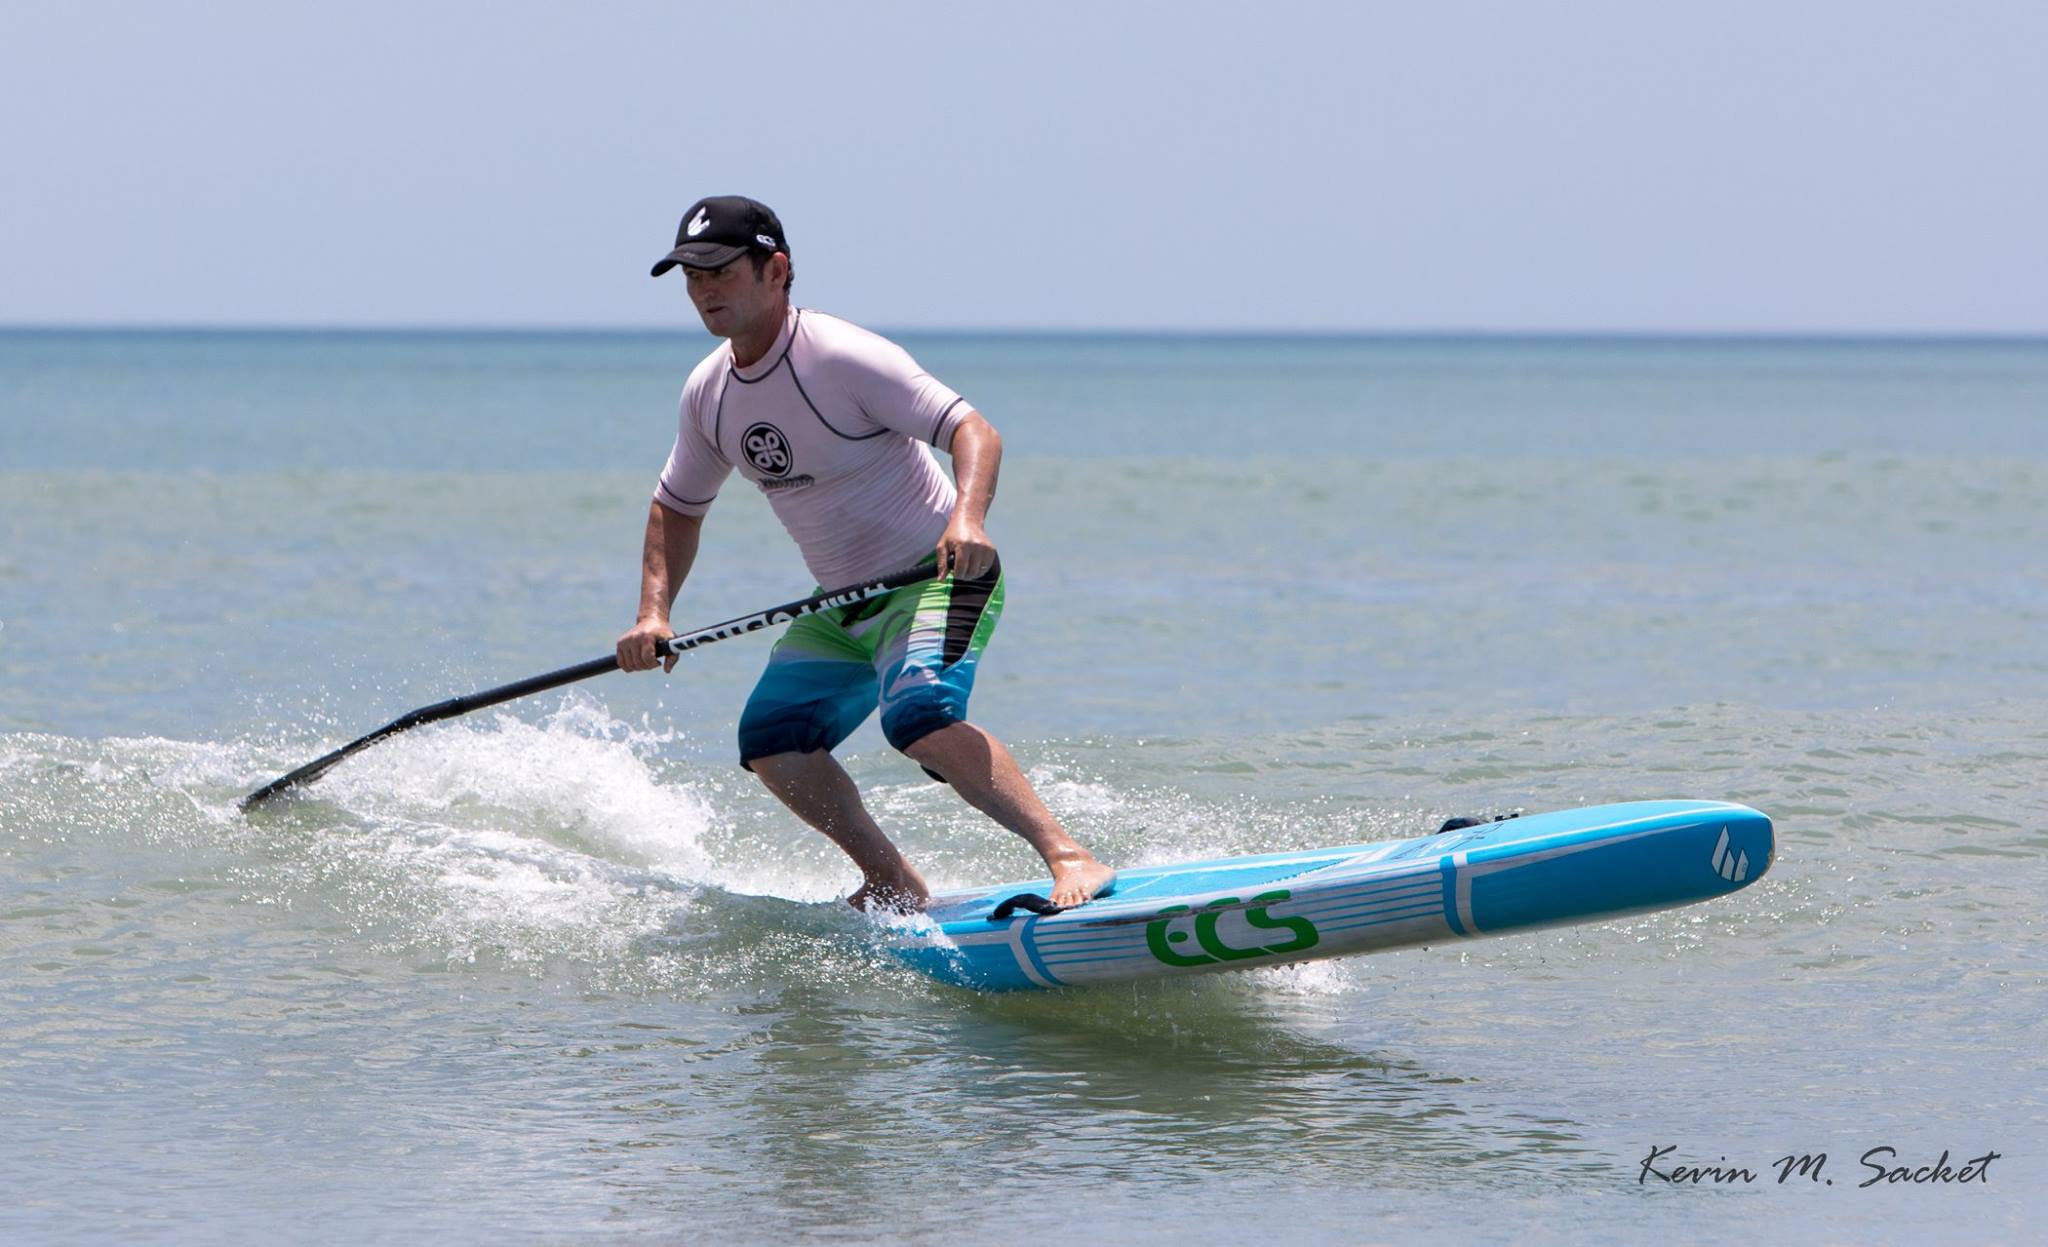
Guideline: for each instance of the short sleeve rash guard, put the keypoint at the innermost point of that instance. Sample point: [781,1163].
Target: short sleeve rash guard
[836,425]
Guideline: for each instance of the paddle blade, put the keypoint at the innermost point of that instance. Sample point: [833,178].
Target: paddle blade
[304,775]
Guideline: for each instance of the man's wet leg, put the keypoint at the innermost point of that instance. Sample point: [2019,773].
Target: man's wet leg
[982,771]
[820,792]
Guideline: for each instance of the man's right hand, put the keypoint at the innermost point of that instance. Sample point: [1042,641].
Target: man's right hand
[638,648]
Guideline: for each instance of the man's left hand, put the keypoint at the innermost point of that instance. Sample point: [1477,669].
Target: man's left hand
[965,551]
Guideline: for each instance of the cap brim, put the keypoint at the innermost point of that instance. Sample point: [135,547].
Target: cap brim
[699,255]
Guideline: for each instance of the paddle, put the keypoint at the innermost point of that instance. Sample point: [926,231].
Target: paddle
[582,671]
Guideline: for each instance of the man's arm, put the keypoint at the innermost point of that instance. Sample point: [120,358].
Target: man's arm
[665,560]
[977,450]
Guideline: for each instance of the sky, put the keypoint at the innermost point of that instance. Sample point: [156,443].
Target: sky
[1736,167]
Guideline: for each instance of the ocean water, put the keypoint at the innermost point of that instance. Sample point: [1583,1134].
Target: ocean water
[560,970]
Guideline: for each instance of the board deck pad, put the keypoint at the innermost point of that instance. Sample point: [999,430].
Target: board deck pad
[1539,870]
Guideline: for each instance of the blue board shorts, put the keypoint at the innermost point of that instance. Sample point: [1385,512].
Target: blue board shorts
[912,653]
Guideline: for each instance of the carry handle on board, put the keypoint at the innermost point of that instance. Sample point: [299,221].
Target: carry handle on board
[1031,901]
[681,643]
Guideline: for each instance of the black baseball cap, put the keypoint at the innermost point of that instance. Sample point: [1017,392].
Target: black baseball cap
[721,229]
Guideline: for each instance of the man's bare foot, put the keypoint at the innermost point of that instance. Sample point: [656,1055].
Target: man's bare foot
[1078,881]
[890,896]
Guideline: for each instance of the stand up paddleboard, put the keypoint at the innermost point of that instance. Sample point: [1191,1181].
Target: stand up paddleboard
[1235,913]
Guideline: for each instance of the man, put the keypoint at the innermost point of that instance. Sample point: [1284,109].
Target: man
[835,425]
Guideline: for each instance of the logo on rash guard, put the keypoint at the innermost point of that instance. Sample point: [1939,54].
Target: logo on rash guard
[766,449]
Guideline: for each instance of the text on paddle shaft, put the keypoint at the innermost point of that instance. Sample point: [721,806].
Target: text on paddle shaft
[782,615]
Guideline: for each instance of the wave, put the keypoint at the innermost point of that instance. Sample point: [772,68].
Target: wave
[579,847]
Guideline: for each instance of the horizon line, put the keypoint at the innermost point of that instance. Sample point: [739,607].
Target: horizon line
[1036,331]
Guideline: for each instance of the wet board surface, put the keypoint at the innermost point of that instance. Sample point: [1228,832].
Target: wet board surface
[1539,870]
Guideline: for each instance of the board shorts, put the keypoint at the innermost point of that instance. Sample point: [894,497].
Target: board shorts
[912,653]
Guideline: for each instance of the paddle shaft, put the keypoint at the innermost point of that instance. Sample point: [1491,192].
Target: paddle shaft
[679,644]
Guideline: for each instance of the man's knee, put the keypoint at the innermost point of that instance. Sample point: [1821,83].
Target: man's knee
[789,766]
[929,748]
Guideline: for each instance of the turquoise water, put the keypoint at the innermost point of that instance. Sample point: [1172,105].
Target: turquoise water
[560,969]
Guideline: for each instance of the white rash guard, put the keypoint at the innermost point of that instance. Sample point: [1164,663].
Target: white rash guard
[836,425]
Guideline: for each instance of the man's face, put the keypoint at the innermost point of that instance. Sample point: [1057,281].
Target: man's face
[732,300]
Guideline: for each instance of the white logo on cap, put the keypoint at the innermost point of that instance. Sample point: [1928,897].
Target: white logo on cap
[765,241]
[700,222]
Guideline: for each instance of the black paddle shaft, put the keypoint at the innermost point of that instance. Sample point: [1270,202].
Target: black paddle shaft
[679,644]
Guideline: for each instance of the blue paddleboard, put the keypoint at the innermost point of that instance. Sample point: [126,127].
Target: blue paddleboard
[1235,913]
